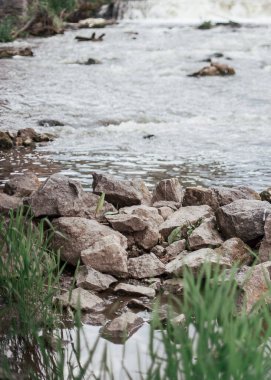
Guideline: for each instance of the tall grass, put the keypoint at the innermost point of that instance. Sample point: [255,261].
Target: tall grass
[6,29]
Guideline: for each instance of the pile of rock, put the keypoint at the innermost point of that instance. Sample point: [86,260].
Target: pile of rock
[141,242]
[24,137]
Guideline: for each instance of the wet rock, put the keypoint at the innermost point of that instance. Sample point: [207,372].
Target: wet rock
[126,223]
[215,69]
[174,249]
[139,290]
[173,286]
[121,193]
[77,234]
[28,136]
[22,185]
[205,236]
[122,328]
[107,255]
[90,279]
[195,261]
[81,299]
[255,284]
[10,51]
[8,203]
[266,195]
[237,251]
[185,217]
[265,247]
[62,196]
[168,190]
[50,123]
[5,141]
[217,196]
[243,218]
[145,266]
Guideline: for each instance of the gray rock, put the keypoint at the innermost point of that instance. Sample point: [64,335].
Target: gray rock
[121,193]
[121,328]
[227,195]
[168,190]
[81,299]
[173,286]
[107,255]
[265,248]
[174,249]
[158,250]
[204,236]
[135,289]
[126,223]
[266,195]
[145,266]
[195,261]
[165,212]
[77,234]
[8,203]
[22,185]
[90,279]
[5,141]
[176,262]
[244,219]
[237,251]
[173,205]
[198,196]
[184,218]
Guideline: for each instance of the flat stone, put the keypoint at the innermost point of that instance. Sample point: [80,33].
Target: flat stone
[107,255]
[9,203]
[195,260]
[135,289]
[145,266]
[77,234]
[81,299]
[204,236]
[265,247]
[22,185]
[121,193]
[184,218]
[243,218]
[237,251]
[90,279]
[168,190]
[122,328]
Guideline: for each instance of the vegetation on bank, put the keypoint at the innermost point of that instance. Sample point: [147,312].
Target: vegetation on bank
[50,12]
[218,340]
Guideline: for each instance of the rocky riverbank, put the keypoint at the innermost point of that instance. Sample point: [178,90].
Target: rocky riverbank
[133,245]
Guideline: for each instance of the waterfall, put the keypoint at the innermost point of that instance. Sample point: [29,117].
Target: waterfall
[188,10]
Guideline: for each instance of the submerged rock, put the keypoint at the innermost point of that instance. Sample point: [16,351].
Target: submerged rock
[168,190]
[122,328]
[139,290]
[121,193]
[90,279]
[145,266]
[107,255]
[50,123]
[215,69]
[243,218]
[77,234]
[22,185]
[81,299]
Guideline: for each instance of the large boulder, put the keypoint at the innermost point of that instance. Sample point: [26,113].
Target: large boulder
[90,279]
[216,197]
[265,247]
[243,218]
[196,260]
[62,196]
[184,218]
[237,251]
[107,255]
[168,190]
[145,266]
[9,203]
[81,299]
[22,185]
[204,236]
[121,193]
[75,235]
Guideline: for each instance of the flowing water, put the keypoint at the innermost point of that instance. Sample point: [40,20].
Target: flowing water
[138,114]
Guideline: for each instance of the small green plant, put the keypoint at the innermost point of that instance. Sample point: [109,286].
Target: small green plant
[100,204]
[175,235]
[6,29]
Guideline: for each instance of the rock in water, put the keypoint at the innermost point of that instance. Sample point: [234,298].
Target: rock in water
[77,234]
[10,51]
[6,142]
[244,219]
[215,69]
[90,279]
[107,255]
[122,328]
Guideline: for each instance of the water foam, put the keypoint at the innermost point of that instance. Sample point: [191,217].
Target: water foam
[192,10]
